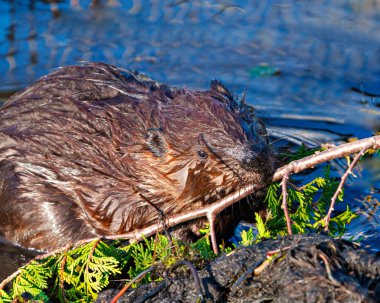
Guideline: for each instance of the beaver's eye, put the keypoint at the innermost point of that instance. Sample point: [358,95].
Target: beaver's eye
[202,154]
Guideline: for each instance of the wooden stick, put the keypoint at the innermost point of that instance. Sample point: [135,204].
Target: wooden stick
[138,278]
[285,201]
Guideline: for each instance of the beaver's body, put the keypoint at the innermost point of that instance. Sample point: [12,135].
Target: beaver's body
[87,150]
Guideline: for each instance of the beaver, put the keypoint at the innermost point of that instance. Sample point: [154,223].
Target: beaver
[96,150]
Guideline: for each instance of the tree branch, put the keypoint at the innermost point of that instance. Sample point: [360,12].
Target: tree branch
[342,181]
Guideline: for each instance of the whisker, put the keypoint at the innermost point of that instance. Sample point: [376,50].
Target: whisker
[250,201]
[287,136]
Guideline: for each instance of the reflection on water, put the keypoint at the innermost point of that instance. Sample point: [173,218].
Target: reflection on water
[323,49]
[325,54]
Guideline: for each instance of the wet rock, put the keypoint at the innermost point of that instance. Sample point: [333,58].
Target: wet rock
[308,269]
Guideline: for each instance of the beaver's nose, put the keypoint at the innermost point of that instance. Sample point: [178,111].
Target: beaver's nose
[255,156]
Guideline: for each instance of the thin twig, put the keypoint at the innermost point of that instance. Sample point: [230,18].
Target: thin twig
[327,266]
[277,251]
[342,181]
[59,250]
[249,272]
[211,221]
[285,200]
[193,272]
[162,218]
[138,278]
[61,279]
[259,269]
[327,155]
[10,278]
[91,254]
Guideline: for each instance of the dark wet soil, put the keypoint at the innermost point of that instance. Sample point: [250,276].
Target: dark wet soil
[309,269]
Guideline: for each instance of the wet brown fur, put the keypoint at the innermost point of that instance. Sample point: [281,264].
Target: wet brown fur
[87,150]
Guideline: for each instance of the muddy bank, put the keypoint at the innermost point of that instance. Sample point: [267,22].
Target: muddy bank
[309,269]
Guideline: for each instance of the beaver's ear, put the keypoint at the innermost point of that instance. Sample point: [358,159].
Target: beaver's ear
[156,142]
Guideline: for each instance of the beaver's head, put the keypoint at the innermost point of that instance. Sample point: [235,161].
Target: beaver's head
[202,146]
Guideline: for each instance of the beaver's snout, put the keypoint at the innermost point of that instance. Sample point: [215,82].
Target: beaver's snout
[252,161]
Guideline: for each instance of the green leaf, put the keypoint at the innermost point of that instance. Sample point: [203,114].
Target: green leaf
[261,228]
[4,297]
[264,70]
[247,238]
[88,268]
[338,223]
[32,279]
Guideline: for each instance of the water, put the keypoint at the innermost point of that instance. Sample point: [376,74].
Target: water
[311,68]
